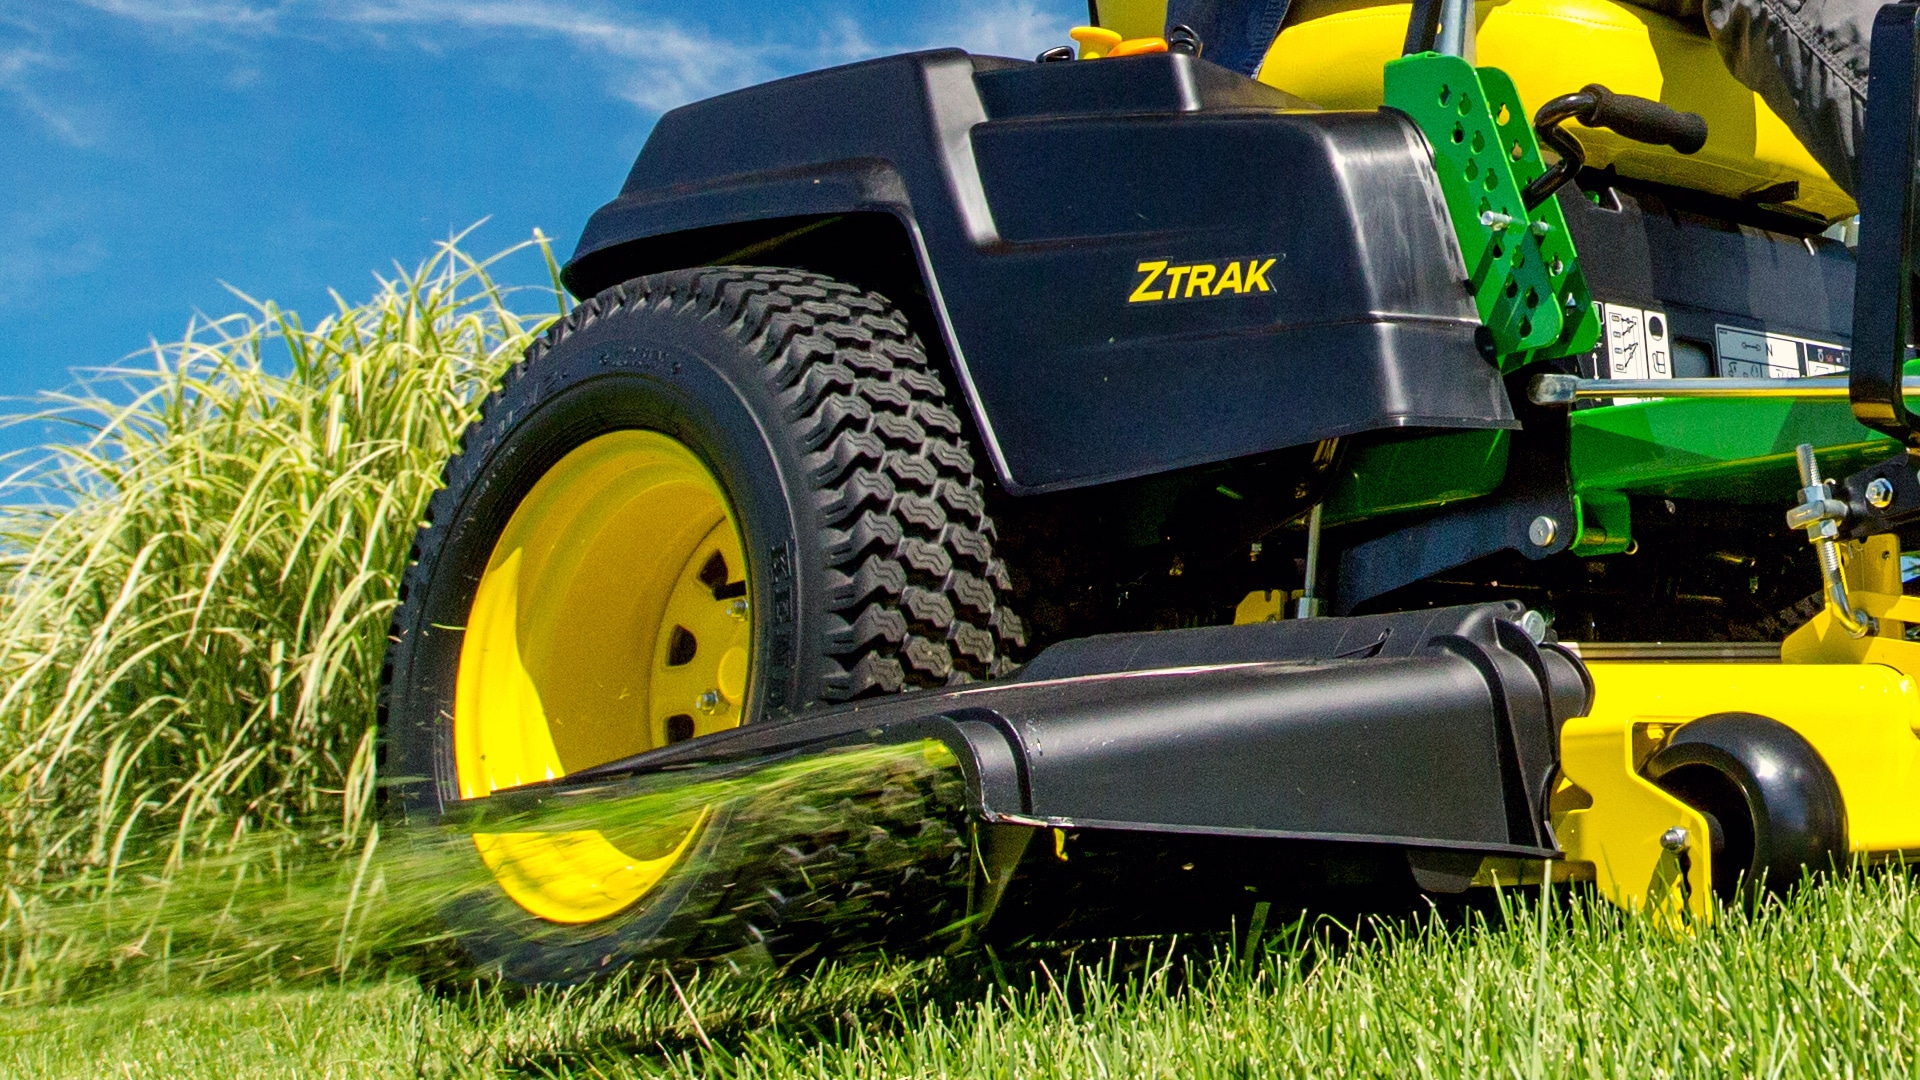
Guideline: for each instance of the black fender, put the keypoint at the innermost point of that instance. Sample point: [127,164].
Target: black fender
[1026,208]
[1774,805]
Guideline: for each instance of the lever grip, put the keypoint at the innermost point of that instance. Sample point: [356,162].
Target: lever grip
[1645,121]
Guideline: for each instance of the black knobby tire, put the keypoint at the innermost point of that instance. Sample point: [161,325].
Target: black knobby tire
[863,524]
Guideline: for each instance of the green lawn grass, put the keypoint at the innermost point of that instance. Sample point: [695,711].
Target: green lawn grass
[1826,984]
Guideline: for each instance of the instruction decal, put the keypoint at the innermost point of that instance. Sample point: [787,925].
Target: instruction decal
[1637,345]
[1760,354]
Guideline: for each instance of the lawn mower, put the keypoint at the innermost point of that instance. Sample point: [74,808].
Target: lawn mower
[982,498]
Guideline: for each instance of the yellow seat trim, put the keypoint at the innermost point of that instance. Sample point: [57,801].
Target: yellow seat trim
[1552,47]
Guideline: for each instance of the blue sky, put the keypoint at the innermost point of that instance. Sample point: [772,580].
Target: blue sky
[152,149]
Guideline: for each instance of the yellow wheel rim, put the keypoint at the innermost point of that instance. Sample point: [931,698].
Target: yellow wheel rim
[611,619]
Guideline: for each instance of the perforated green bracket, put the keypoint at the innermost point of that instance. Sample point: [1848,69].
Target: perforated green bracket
[1521,265]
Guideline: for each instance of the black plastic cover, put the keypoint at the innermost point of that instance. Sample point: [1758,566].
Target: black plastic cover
[1702,273]
[1034,194]
[1427,730]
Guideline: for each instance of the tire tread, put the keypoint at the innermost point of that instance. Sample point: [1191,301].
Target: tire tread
[915,588]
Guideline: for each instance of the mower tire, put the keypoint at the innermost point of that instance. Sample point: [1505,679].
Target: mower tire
[704,497]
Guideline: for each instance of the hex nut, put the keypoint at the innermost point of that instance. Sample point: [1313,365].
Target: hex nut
[1880,493]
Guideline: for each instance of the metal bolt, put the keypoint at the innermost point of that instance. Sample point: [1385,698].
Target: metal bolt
[1535,624]
[1542,228]
[738,608]
[1543,530]
[709,702]
[1494,220]
[1674,839]
[1880,492]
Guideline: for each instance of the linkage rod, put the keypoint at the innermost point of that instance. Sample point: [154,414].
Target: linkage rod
[1565,389]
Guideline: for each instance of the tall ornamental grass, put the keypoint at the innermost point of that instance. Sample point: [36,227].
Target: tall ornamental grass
[195,589]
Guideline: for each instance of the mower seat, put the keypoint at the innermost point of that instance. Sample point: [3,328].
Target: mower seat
[1331,52]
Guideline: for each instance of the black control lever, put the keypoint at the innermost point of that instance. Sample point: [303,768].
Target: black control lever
[1637,118]
[1883,271]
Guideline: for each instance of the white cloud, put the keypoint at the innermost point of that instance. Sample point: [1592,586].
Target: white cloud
[1018,28]
[651,61]
[658,63]
[45,242]
[17,67]
[193,14]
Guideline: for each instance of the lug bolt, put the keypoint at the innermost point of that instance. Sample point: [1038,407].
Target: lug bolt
[1543,530]
[1880,492]
[710,702]
[1674,839]
[737,608]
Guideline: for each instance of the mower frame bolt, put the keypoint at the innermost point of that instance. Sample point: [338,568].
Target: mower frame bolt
[1880,493]
[1674,839]
[1543,530]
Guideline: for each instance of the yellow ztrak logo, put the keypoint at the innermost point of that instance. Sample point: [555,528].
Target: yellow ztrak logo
[1198,280]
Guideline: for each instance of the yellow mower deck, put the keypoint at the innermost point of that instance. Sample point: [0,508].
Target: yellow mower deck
[1864,719]
[1856,701]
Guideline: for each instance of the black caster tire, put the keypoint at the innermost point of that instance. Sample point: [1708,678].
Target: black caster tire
[1773,804]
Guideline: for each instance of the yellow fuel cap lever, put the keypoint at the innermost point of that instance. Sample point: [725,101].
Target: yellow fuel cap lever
[1095,41]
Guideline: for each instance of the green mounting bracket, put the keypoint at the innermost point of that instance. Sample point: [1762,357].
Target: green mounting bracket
[1603,523]
[1521,266]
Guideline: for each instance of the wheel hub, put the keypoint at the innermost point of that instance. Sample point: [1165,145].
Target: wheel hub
[612,618]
